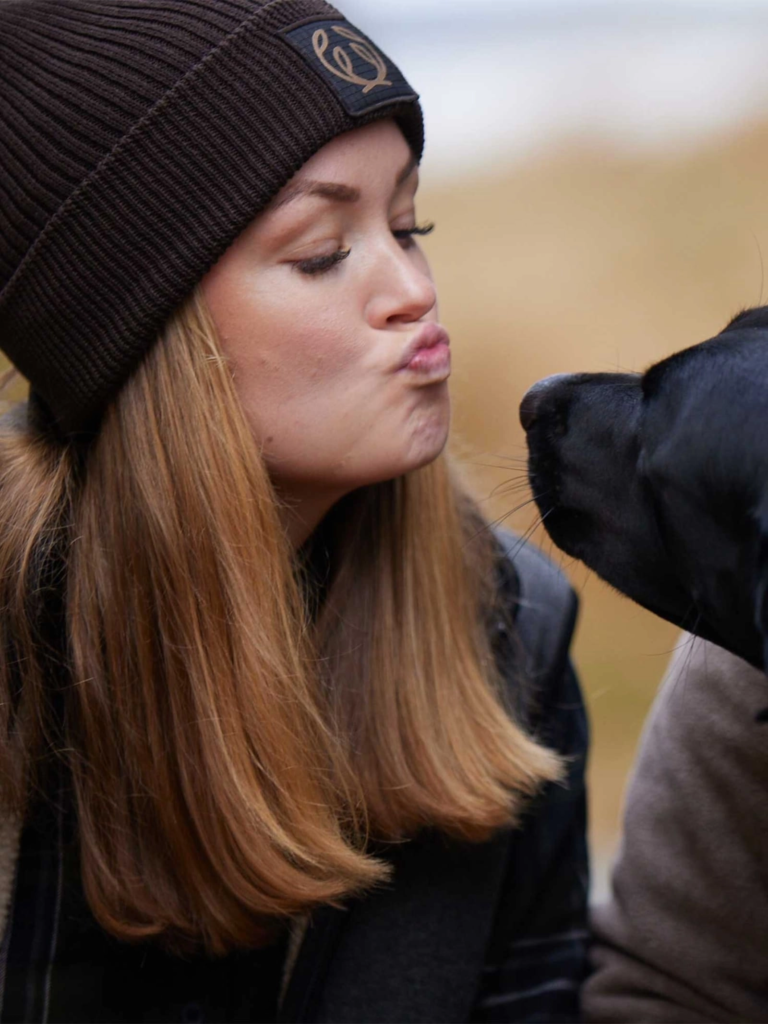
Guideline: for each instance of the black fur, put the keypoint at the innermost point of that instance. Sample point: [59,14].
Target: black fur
[659,481]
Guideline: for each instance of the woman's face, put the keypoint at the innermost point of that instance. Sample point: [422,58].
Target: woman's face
[326,310]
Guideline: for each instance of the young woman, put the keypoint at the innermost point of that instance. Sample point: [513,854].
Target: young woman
[288,732]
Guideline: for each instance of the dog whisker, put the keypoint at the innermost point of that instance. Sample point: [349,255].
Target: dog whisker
[529,533]
[517,463]
[514,511]
[506,457]
[509,487]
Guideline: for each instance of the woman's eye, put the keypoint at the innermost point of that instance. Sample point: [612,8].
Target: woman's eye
[321,264]
[406,234]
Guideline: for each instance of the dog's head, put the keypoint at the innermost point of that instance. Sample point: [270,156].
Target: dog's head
[659,482]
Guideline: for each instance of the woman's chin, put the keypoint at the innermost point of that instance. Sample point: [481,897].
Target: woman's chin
[428,441]
[426,453]
[422,449]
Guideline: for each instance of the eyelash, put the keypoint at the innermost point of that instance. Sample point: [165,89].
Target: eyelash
[322,264]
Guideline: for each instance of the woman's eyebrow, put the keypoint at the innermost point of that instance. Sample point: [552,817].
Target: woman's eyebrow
[335,191]
[326,189]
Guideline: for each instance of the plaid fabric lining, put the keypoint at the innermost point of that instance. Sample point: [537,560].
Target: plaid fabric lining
[539,982]
[30,940]
[537,958]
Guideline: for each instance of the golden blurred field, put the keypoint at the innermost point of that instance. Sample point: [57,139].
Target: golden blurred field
[589,259]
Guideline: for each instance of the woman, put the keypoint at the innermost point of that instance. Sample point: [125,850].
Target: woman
[266,723]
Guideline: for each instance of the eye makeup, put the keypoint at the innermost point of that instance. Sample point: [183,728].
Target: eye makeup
[321,264]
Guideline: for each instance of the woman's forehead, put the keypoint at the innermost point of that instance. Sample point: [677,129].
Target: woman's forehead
[374,156]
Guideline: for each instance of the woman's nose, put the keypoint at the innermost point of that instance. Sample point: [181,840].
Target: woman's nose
[405,291]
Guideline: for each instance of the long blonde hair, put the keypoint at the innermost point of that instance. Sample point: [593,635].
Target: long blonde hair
[230,754]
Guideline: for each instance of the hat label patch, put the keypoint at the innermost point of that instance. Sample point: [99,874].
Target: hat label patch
[344,68]
[360,74]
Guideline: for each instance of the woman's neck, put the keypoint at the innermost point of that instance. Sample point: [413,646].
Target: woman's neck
[303,512]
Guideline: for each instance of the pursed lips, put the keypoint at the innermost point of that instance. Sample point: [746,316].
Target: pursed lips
[428,352]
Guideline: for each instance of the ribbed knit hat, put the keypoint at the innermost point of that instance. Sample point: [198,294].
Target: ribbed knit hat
[138,138]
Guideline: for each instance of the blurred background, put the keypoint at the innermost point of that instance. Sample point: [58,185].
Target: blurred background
[598,174]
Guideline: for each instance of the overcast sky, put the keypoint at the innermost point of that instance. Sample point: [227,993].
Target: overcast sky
[500,79]
[609,8]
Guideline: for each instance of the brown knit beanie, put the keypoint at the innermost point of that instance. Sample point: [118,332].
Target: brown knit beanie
[138,138]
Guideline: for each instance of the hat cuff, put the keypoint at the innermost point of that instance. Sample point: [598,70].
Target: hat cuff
[128,245]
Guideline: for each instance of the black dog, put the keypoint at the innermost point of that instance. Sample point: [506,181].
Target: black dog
[659,481]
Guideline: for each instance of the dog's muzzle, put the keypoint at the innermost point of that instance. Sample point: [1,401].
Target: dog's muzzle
[535,400]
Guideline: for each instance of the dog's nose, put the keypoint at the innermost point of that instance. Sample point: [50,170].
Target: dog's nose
[530,407]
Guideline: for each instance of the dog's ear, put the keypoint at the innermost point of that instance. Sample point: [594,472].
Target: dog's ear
[761,588]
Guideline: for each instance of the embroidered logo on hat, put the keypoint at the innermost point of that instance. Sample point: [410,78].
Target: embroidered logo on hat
[344,67]
[360,74]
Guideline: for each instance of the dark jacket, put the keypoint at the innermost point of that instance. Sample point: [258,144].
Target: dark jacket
[491,931]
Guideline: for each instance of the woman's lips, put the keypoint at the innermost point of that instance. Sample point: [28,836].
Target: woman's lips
[429,353]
